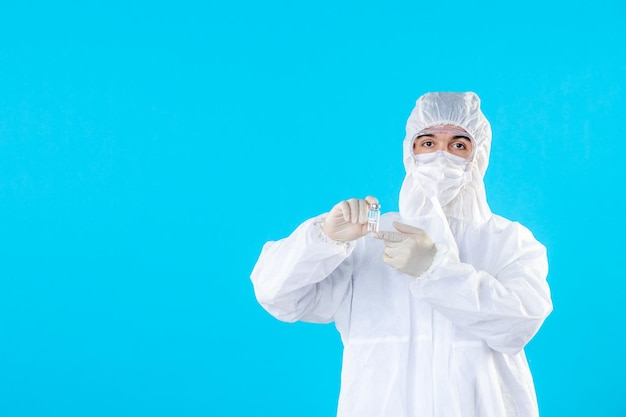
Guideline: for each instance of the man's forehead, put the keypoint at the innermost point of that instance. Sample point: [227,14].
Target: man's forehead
[446,129]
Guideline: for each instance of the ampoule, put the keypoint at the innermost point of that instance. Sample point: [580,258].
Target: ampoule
[373,217]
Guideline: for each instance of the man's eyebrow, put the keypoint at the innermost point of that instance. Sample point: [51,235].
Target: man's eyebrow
[431,135]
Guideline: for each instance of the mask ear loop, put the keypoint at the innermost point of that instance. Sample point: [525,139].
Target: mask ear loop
[469,168]
[412,149]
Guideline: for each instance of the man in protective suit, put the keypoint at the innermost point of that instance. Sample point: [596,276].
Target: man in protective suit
[433,315]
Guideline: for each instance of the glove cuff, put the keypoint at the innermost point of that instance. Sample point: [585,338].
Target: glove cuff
[318,224]
[439,258]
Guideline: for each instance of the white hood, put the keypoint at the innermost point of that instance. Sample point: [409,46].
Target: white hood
[462,110]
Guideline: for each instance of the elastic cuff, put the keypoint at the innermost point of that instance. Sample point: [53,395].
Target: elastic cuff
[442,250]
[318,225]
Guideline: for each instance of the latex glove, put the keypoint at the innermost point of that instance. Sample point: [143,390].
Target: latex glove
[410,250]
[348,219]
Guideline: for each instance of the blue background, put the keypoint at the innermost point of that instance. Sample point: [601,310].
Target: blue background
[149,149]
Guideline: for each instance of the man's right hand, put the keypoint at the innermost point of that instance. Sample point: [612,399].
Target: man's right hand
[348,219]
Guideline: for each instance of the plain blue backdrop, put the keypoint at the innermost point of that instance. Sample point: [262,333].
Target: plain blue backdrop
[149,149]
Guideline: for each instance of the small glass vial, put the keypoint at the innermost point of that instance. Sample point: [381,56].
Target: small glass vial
[373,217]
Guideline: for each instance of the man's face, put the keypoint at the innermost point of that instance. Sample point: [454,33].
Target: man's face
[449,138]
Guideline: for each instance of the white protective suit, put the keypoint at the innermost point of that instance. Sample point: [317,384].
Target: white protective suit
[445,344]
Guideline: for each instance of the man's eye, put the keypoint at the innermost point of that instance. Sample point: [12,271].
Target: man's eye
[427,143]
[459,145]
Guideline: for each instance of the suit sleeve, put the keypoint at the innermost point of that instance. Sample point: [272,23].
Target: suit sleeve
[304,277]
[506,306]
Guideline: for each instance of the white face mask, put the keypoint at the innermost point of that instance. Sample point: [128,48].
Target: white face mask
[441,174]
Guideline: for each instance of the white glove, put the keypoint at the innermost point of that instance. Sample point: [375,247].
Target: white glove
[348,219]
[411,250]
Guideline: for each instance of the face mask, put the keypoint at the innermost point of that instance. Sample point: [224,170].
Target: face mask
[441,174]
